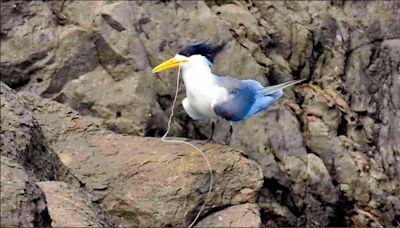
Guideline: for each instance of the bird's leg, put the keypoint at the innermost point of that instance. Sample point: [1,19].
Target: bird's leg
[212,132]
[230,134]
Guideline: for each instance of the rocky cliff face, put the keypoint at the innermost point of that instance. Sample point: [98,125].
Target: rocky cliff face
[328,154]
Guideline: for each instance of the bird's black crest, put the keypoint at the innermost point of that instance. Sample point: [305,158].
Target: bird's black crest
[203,49]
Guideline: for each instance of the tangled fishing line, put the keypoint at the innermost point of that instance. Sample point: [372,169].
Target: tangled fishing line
[190,144]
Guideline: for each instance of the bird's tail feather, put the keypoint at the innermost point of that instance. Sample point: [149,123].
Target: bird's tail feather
[272,89]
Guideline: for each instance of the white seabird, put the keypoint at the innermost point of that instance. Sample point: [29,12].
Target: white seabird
[213,97]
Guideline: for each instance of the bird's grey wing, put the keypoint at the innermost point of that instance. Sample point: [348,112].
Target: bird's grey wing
[241,97]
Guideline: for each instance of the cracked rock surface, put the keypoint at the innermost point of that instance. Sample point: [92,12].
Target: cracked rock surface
[327,154]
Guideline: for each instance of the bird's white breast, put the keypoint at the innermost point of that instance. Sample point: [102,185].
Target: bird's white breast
[202,91]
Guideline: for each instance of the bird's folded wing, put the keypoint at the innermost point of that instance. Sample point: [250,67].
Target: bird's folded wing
[244,99]
[235,107]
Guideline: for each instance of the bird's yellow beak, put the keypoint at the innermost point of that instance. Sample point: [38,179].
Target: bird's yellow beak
[169,64]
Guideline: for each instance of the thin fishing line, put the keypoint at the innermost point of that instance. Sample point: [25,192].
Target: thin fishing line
[190,144]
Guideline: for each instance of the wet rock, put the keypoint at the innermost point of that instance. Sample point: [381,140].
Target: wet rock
[69,207]
[242,215]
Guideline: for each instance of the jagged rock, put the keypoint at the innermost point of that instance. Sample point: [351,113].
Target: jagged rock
[69,207]
[381,25]
[96,93]
[375,96]
[242,215]
[290,172]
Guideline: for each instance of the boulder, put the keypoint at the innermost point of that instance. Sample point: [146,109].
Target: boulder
[143,181]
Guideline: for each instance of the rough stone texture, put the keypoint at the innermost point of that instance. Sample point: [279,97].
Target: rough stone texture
[143,181]
[26,158]
[329,150]
[28,33]
[69,207]
[22,202]
[80,39]
[242,215]
[22,139]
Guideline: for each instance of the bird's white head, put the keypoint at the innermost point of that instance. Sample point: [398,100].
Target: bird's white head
[194,56]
